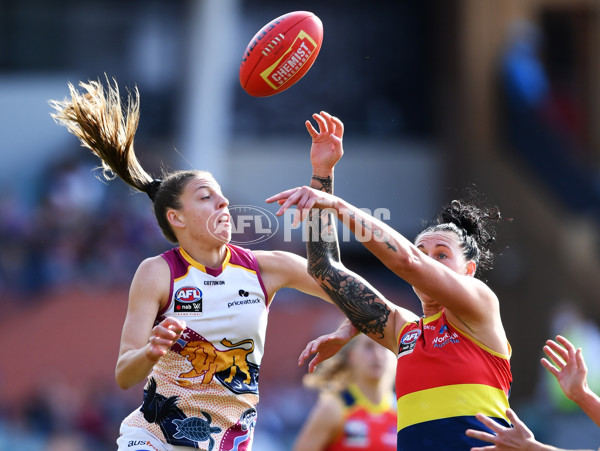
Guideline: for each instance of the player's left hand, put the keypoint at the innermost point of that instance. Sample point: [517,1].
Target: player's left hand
[519,437]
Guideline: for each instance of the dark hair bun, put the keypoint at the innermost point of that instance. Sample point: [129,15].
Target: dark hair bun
[475,221]
[475,227]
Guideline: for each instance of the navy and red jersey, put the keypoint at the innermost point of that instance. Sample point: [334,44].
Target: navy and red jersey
[367,426]
[443,378]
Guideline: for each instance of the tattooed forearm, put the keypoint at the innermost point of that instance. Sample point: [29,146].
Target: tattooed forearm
[384,239]
[326,183]
[322,246]
[356,300]
[390,245]
[349,292]
[378,233]
[361,221]
[320,259]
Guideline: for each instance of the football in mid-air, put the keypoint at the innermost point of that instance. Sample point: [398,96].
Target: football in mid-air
[281,53]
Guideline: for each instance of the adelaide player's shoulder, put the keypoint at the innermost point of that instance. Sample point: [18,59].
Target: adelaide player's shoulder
[281,53]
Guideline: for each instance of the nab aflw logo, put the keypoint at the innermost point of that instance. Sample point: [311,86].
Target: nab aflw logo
[188,301]
[408,342]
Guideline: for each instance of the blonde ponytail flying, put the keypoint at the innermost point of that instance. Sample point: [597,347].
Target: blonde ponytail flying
[98,119]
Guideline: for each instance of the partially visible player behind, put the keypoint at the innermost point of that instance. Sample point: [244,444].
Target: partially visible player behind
[356,409]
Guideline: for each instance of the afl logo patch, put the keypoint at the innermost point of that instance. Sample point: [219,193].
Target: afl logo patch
[408,342]
[410,337]
[188,301]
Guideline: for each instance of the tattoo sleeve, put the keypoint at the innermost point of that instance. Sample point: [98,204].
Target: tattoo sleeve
[360,302]
[323,183]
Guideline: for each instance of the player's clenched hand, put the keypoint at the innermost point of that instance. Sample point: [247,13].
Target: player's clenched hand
[163,336]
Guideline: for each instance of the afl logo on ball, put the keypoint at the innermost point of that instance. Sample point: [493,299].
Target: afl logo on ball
[188,301]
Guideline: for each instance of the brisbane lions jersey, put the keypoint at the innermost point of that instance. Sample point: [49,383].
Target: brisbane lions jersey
[202,393]
[443,378]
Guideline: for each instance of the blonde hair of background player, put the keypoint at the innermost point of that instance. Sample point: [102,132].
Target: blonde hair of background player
[361,362]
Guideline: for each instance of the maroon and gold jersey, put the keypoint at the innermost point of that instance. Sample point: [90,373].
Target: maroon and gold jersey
[203,392]
[367,427]
[443,378]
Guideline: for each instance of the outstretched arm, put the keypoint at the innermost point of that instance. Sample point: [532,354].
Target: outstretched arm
[467,297]
[566,364]
[366,308]
[282,269]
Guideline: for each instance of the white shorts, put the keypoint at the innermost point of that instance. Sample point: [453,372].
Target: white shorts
[140,439]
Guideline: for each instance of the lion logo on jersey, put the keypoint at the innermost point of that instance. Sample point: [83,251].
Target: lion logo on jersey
[230,366]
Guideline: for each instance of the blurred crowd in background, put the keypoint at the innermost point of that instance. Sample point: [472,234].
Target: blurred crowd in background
[78,231]
[61,229]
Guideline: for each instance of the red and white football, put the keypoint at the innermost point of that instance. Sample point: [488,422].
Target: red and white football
[281,53]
